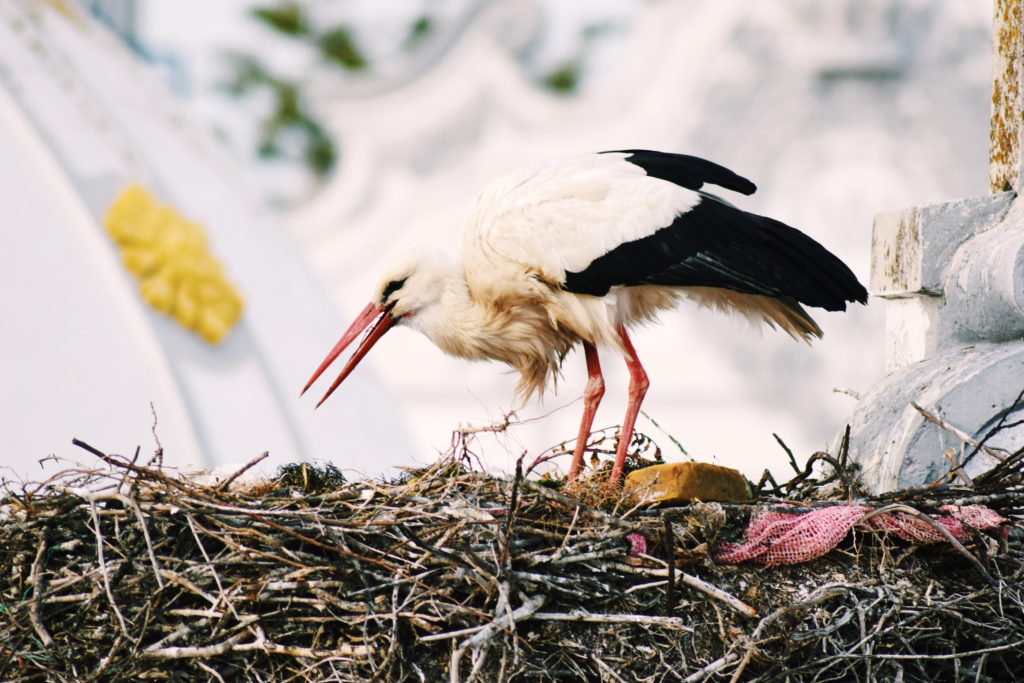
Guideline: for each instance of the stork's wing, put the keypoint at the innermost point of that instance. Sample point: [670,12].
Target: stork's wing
[687,171]
[717,245]
[635,217]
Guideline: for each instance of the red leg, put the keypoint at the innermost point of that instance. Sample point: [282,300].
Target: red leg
[591,397]
[637,388]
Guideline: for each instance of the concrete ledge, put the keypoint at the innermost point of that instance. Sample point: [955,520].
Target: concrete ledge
[971,388]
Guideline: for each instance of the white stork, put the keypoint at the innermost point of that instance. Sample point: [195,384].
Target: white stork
[580,249]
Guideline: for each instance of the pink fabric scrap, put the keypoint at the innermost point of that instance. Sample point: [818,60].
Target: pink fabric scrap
[774,538]
[788,538]
[637,544]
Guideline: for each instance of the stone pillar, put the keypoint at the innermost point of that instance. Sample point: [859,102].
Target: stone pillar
[951,277]
[1007,80]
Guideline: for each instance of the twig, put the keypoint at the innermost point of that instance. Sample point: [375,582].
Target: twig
[734,603]
[712,668]
[545,492]
[227,482]
[818,596]
[607,669]
[789,453]
[190,488]
[766,477]
[232,644]
[568,533]
[948,655]
[37,593]
[107,659]
[899,507]
[188,585]
[957,468]
[747,656]
[849,392]
[158,455]
[958,433]
[844,468]
[103,568]
[486,632]
[224,598]
[670,558]
[134,505]
[505,562]
[802,477]
[676,623]
[995,430]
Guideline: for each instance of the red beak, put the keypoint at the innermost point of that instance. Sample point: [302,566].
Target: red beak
[381,319]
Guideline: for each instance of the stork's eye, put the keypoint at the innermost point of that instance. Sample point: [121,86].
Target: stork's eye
[392,287]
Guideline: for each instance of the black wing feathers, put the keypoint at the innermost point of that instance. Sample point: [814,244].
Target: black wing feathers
[687,171]
[717,245]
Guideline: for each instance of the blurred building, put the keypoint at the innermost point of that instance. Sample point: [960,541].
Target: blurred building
[130,249]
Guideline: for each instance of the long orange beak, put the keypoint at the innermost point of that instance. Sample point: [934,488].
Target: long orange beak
[381,319]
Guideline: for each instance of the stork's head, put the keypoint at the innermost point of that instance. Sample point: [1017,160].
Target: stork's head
[412,285]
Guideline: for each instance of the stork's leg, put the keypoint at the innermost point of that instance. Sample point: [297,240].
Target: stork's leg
[637,388]
[591,398]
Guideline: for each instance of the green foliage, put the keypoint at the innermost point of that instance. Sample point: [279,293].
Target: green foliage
[595,31]
[337,46]
[420,29]
[286,17]
[288,120]
[248,75]
[320,154]
[290,131]
[565,79]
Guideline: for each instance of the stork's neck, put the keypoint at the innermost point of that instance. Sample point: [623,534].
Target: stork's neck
[455,321]
[486,326]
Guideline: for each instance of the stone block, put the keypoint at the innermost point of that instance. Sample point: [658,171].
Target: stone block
[934,264]
[682,482]
[911,248]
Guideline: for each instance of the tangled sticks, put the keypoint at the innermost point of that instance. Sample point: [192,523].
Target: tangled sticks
[129,573]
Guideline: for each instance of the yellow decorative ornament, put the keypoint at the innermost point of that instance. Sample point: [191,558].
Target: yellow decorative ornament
[168,254]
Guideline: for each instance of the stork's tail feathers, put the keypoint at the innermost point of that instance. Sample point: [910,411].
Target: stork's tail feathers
[790,316]
[783,312]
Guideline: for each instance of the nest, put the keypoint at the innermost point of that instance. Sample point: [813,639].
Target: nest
[128,573]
